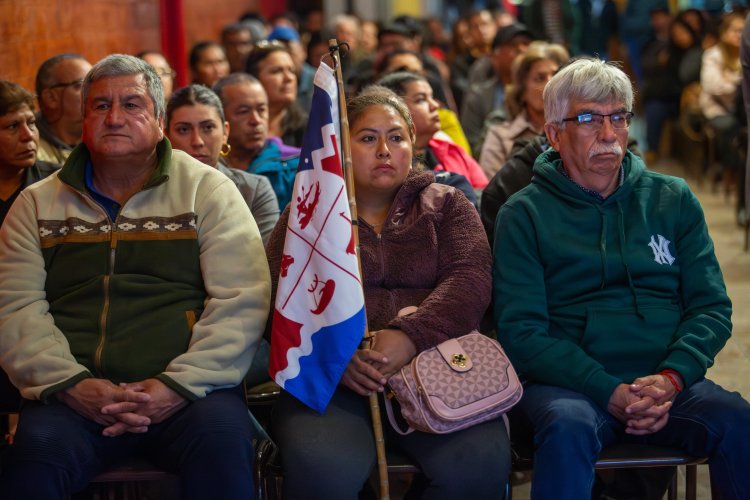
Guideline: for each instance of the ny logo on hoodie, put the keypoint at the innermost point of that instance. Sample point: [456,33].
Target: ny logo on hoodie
[661,250]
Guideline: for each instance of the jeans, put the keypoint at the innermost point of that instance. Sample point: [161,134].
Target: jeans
[57,452]
[331,456]
[570,430]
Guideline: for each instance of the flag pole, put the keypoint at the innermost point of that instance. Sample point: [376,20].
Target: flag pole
[346,154]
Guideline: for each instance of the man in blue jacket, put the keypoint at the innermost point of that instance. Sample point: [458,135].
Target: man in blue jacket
[609,298]
[251,148]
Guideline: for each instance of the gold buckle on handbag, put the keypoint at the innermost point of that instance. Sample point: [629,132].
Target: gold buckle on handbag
[459,360]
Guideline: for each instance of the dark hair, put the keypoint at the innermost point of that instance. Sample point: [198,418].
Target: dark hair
[44,78]
[398,81]
[233,79]
[411,23]
[377,95]
[318,38]
[380,67]
[236,28]
[190,96]
[252,16]
[197,52]
[13,96]
[261,50]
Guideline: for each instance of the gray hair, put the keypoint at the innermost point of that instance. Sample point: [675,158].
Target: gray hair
[234,79]
[126,65]
[586,79]
[343,19]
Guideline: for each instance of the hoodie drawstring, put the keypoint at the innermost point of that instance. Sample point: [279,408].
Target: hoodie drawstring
[621,236]
[603,248]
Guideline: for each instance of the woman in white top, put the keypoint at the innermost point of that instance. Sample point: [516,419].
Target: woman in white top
[721,75]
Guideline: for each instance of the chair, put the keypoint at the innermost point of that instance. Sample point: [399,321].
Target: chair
[627,456]
[271,475]
[130,479]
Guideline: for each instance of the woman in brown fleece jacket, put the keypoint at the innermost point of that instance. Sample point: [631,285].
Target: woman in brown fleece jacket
[422,244]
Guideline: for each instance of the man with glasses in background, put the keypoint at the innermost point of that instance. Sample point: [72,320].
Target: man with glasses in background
[237,40]
[58,89]
[163,69]
[609,299]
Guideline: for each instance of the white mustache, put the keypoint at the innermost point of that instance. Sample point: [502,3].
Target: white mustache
[614,149]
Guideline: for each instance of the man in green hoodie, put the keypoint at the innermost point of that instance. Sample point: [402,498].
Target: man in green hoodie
[609,298]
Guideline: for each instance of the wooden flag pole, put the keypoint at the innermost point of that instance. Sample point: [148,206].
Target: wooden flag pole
[346,154]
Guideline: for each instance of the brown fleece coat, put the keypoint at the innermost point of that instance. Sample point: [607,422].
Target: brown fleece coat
[432,252]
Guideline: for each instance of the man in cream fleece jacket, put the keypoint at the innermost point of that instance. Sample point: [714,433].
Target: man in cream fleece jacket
[135,291]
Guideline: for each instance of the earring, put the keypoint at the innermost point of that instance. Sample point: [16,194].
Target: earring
[226,148]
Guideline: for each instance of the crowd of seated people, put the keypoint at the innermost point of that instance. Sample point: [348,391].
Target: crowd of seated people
[515,201]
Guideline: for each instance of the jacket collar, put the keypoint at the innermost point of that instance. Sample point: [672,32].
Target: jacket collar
[547,175]
[74,171]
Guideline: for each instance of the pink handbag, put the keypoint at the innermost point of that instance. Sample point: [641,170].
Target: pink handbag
[459,383]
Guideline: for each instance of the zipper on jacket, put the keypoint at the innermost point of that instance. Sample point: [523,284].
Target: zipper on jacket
[105,284]
[105,307]
[104,315]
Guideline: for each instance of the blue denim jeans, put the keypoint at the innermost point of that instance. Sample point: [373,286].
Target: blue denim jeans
[208,443]
[570,430]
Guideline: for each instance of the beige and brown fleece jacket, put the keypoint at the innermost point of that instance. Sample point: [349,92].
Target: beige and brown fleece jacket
[177,287]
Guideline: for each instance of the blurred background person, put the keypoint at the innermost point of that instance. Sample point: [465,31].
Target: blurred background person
[346,29]
[368,38]
[661,63]
[720,79]
[195,123]
[163,69]
[459,58]
[208,63]
[485,101]
[413,62]
[599,28]
[58,88]
[317,47]
[237,41]
[272,64]
[531,72]
[305,72]
[555,21]
[436,153]
[252,148]
[19,140]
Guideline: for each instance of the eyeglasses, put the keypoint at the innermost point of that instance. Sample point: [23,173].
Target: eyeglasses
[166,72]
[593,122]
[77,84]
[269,45]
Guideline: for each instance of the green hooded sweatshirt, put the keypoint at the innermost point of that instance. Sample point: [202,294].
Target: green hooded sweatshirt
[591,293]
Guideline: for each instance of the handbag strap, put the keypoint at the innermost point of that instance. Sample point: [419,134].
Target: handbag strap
[392,418]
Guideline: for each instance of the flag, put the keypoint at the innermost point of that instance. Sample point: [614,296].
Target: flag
[319,315]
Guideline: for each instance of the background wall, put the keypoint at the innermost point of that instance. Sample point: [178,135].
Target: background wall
[34,30]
